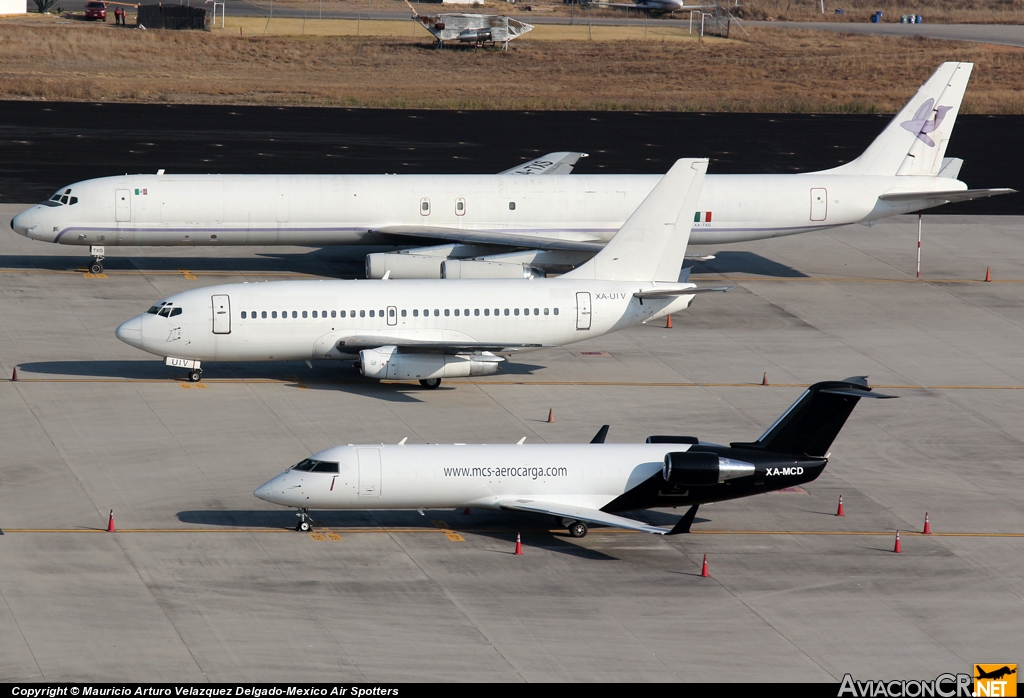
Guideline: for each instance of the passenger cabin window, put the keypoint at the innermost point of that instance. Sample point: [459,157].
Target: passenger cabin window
[263,314]
[303,314]
[511,205]
[243,315]
[273,314]
[295,313]
[424,206]
[556,311]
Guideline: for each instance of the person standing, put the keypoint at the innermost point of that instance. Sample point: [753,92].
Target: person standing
[117,16]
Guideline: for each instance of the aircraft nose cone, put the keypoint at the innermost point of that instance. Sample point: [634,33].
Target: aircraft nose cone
[21,223]
[271,492]
[130,332]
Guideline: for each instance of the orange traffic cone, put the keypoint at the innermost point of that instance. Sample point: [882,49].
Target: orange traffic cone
[110,523]
[519,545]
[551,415]
[668,322]
[704,567]
[465,512]
[14,375]
[897,549]
[839,512]
[764,380]
[927,526]
[988,273]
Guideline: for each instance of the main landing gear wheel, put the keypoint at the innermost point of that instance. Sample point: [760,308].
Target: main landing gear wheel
[96,267]
[195,375]
[431,383]
[305,523]
[578,529]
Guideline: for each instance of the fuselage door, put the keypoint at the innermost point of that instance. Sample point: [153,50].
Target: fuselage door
[369,472]
[819,204]
[392,315]
[583,310]
[221,314]
[122,205]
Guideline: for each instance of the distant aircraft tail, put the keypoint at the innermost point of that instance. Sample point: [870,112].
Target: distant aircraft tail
[914,142]
[651,244]
[812,423]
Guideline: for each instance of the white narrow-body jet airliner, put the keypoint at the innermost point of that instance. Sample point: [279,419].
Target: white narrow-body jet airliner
[508,225]
[578,484]
[426,330]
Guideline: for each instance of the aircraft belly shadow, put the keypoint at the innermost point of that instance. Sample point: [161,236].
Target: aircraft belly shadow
[742,262]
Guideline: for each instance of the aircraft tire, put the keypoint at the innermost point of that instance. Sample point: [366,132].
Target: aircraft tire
[304,526]
[96,268]
[431,383]
[578,529]
[195,376]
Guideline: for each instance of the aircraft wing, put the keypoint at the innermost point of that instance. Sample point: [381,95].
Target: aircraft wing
[567,511]
[669,292]
[406,345]
[478,237]
[561,162]
[934,197]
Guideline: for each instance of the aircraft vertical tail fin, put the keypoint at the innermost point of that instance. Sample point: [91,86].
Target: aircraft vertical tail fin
[651,244]
[914,142]
[812,423]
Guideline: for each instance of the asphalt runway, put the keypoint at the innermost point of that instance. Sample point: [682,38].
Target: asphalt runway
[47,145]
[203,582]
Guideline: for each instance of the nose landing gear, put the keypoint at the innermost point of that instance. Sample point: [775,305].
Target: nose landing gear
[97,252]
[305,522]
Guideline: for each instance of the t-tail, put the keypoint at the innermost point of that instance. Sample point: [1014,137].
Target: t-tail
[914,142]
[651,244]
[812,423]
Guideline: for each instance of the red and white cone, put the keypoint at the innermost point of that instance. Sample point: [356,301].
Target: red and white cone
[519,544]
[839,512]
[110,523]
[927,526]
[551,415]
[14,374]
[704,567]
[988,273]
[897,549]
[668,322]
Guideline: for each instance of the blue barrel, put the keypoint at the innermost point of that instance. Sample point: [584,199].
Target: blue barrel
[920,19]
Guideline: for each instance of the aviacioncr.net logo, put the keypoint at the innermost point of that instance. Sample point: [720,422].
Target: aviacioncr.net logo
[943,686]
[998,680]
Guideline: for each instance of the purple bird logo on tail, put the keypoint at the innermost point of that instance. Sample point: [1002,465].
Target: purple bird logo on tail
[921,125]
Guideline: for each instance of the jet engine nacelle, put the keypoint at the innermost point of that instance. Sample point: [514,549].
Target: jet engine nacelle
[403,266]
[702,468]
[480,269]
[386,362]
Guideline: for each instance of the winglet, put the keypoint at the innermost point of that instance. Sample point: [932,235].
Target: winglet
[601,435]
[684,523]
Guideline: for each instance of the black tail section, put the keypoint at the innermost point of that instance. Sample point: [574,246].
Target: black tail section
[809,427]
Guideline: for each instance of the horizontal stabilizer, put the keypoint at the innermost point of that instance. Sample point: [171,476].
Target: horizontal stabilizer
[482,237]
[670,292]
[945,196]
[561,162]
[568,511]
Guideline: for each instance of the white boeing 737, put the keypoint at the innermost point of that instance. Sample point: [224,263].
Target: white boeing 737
[507,225]
[427,330]
[578,484]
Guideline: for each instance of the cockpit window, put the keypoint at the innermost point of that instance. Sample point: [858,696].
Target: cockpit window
[63,197]
[175,311]
[154,310]
[317,466]
[165,311]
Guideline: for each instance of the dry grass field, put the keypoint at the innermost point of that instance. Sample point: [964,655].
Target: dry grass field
[933,11]
[771,71]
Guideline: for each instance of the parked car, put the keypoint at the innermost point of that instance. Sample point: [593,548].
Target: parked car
[96,10]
